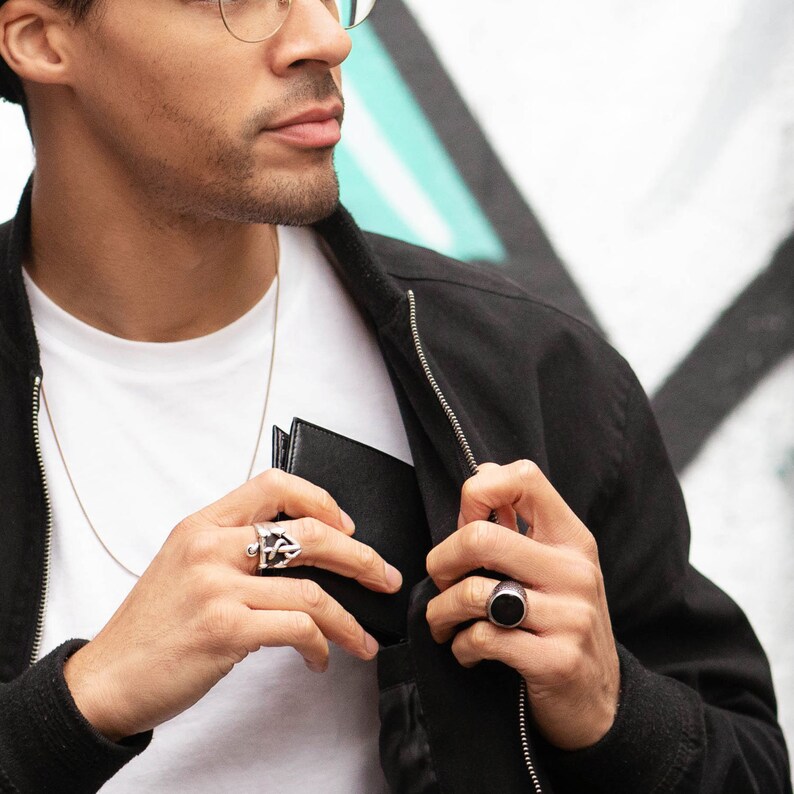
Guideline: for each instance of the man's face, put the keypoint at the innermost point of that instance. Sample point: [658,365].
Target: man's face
[208,126]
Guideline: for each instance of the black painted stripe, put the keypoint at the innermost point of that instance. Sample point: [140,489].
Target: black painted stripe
[748,340]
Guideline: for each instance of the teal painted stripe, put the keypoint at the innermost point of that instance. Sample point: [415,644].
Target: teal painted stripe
[361,197]
[372,74]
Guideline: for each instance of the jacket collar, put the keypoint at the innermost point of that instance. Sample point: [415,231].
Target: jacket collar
[365,277]
[17,335]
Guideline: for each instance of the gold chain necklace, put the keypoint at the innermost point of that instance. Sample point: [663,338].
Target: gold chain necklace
[258,436]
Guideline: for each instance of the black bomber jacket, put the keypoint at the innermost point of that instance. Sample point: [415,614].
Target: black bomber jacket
[697,709]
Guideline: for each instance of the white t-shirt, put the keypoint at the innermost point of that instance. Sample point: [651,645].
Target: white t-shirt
[153,432]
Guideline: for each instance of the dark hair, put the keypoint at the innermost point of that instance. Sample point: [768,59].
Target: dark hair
[10,85]
[77,8]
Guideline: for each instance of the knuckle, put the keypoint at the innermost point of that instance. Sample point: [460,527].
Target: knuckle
[591,617]
[565,661]
[200,546]
[367,558]
[480,636]
[270,482]
[301,626]
[591,575]
[471,488]
[590,546]
[311,531]
[583,619]
[326,502]
[585,573]
[528,471]
[310,593]
[350,624]
[477,591]
[219,621]
[484,533]
[475,538]
[431,563]
[270,478]
[183,530]
[213,584]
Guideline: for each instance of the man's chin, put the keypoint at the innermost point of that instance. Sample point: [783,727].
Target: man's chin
[286,202]
[306,214]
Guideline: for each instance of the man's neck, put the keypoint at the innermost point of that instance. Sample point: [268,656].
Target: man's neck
[118,264]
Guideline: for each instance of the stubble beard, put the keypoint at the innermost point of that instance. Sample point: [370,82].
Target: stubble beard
[228,183]
[244,196]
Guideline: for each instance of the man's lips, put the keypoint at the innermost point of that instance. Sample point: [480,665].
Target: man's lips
[314,128]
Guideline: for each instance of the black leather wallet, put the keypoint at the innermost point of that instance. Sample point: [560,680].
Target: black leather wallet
[381,495]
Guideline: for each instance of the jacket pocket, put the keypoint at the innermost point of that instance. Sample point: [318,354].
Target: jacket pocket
[404,745]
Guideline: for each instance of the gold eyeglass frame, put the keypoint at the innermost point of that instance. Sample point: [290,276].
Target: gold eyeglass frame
[288,3]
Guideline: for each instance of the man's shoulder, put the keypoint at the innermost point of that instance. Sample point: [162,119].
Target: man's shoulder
[406,261]
[409,262]
[484,294]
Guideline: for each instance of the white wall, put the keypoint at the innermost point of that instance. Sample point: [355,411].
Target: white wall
[16,158]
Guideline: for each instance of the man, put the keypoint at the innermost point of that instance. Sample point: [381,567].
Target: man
[182,220]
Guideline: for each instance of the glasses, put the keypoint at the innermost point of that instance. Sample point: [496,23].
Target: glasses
[257,20]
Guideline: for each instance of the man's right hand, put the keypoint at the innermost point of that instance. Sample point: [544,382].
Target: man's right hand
[197,610]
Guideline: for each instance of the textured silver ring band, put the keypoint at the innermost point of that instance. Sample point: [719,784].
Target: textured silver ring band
[274,545]
[507,604]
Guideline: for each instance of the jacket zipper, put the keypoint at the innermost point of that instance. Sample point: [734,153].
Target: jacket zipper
[37,637]
[471,462]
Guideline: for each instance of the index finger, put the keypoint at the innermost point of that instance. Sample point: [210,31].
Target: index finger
[505,515]
[272,492]
[524,487]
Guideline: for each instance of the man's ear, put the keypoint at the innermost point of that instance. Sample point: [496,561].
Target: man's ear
[34,41]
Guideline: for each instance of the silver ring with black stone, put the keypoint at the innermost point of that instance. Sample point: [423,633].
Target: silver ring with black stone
[507,604]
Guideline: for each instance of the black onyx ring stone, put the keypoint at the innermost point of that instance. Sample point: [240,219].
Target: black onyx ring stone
[507,604]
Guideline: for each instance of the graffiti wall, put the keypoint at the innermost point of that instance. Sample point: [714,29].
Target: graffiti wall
[633,163]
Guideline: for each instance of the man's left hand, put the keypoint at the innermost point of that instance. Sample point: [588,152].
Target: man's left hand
[564,648]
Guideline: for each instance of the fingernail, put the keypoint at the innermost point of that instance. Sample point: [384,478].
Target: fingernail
[347,522]
[371,644]
[315,667]
[393,577]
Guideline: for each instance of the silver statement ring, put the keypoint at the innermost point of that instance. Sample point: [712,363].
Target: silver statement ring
[507,604]
[274,545]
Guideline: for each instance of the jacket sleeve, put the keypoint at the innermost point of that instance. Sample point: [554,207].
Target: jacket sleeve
[697,712]
[46,745]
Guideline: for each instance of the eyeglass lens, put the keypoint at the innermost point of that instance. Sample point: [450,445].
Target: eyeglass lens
[256,20]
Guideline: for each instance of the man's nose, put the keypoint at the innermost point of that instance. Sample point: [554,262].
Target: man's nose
[311,33]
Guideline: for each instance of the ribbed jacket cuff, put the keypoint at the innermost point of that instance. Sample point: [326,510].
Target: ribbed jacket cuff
[46,745]
[647,748]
